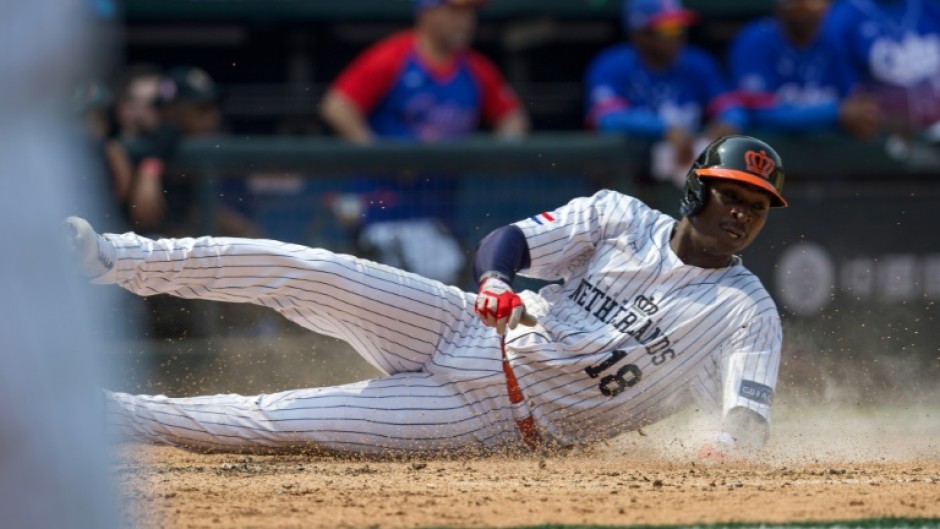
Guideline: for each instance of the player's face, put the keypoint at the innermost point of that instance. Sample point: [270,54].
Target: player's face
[802,18]
[452,26]
[660,46]
[733,215]
[137,111]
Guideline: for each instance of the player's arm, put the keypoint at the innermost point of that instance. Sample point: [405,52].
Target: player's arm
[499,256]
[345,117]
[610,110]
[515,124]
[546,246]
[502,253]
[361,86]
[749,374]
[755,79]
[500,106]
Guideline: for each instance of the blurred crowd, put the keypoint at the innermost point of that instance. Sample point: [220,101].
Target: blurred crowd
[868,69]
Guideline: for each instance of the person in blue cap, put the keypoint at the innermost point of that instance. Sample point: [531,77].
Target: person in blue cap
[656,87]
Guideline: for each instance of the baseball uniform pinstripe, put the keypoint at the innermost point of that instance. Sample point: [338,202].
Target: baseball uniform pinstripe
[631,335]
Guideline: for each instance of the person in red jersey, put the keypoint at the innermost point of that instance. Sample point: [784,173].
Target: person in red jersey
[423,84]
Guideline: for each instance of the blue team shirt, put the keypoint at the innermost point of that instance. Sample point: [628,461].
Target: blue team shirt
[894,47]
[420,106]
[406,98]
[788,88]
[624,95]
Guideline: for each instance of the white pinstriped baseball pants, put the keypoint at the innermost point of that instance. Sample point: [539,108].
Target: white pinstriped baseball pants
[445,389]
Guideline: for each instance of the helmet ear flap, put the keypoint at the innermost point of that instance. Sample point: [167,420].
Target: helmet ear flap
[693,200]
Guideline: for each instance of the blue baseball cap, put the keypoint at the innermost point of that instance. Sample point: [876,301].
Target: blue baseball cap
[646,14]
[186,83]
[421,5]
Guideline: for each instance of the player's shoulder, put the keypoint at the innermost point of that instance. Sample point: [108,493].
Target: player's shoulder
[760,32]
[396,45]
[610,196]
[482,66]
[844,12]
[619,203]
[477,57]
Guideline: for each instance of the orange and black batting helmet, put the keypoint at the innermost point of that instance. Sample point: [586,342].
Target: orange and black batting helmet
[739,158]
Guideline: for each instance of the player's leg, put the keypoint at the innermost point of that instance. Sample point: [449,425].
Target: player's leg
[401,414]
[394,319]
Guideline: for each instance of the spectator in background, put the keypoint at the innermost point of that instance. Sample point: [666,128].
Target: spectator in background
[165,204]
[893,47]
[656,87]
[792,78]
[111,171]
[136,119]
[135,109]
[426,85]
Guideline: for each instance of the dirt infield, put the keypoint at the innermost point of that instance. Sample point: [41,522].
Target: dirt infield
[838,465]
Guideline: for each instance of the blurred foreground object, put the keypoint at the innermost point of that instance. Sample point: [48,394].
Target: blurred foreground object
[53,452]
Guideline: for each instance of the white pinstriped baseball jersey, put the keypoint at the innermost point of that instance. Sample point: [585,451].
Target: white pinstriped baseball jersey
[632,335]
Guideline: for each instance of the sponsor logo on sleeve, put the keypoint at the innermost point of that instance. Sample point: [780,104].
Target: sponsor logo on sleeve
[757,392]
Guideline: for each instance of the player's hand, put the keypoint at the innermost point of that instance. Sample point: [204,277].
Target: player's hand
[860,115]
[719,447]
[497,305]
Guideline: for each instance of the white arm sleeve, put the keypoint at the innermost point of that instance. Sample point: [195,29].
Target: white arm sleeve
[750,364]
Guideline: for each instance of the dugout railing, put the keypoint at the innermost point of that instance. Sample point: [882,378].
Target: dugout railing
[600,160]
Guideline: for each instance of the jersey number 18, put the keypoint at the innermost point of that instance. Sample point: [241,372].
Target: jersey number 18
[625,377]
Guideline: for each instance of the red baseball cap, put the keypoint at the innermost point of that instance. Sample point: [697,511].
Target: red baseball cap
[646,14]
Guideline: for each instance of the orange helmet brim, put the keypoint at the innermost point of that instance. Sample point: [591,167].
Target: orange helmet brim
[747,178]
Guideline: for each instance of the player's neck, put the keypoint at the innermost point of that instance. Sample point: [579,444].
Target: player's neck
[683,244]
[433,52]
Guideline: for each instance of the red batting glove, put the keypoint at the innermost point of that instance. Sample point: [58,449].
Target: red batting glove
[497,305]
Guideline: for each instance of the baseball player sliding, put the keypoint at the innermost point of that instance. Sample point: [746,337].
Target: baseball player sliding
[652,315]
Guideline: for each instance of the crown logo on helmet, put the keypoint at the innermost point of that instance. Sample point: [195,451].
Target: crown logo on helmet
[760,163]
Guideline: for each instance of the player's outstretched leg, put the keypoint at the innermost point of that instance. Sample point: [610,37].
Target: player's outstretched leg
[396,320]
[405,413]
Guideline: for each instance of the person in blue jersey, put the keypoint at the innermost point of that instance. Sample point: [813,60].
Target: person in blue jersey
[893,47]
[792,78]
[658,88]
[424,84]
